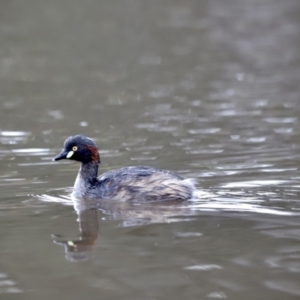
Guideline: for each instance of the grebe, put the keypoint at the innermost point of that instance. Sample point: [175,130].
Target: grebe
[136,183]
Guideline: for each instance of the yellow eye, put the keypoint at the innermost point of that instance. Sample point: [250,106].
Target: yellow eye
[74,148]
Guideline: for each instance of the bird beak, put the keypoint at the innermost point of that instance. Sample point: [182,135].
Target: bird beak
[62,155]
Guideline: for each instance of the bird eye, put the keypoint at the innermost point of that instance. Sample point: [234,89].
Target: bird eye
[74,148]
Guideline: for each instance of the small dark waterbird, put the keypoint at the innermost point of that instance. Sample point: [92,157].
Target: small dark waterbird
[136,183]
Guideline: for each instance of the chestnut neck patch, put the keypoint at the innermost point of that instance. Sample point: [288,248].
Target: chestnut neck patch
[95,157]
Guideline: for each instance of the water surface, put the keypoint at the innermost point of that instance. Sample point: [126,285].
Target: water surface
[205,88]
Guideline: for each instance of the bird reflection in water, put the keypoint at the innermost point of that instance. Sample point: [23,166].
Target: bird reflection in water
[129,213]
[81,248]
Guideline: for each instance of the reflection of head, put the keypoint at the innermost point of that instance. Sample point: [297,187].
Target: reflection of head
[80,249]
[77,257]
[77,250]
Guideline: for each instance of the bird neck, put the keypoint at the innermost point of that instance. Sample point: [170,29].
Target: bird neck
[89,171]
[86,178]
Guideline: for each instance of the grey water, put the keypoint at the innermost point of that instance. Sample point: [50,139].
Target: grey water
[208,89]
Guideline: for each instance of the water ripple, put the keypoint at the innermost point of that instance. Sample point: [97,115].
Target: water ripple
[289,287]
[8,286]
[203,267]
[32,151]
[13,137]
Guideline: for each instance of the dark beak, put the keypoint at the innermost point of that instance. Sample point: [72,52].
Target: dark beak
[62,155]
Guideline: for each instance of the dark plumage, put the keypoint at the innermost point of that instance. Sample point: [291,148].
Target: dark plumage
[128,183]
